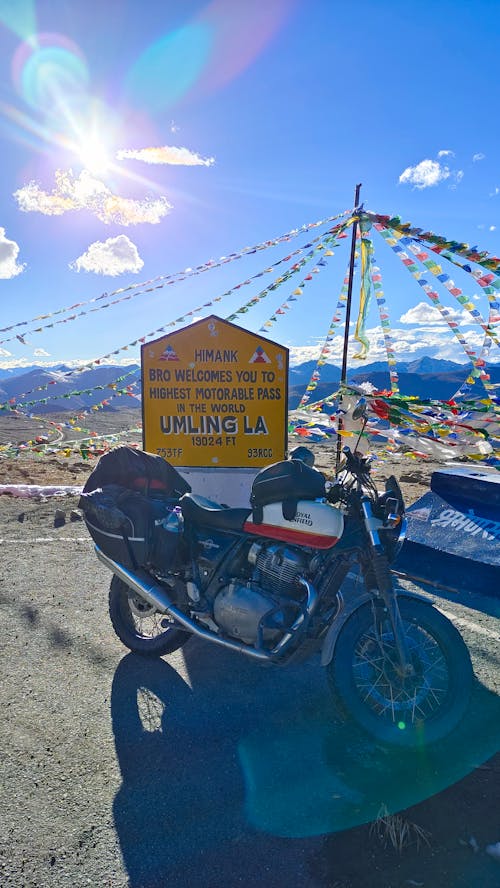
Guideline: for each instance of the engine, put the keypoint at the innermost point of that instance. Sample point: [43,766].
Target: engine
[277,568]
[266,605]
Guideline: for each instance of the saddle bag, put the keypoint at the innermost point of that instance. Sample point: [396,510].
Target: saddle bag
[133,529]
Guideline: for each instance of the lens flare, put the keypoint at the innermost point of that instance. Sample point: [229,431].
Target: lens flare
[50,73]
[241,32]
[211,50]
[19,17]
[169,67]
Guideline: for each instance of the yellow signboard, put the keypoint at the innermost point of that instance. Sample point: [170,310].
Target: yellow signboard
[214,394]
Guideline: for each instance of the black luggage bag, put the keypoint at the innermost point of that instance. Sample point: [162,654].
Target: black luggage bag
[127,502]
[288,482]
[137,470]
[135,530]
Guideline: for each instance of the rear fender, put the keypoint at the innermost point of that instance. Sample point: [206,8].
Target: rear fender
[356,599]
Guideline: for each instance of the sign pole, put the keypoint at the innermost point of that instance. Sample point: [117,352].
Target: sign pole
[343,374]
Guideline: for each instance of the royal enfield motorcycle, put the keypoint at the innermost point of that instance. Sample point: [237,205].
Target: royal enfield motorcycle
[305,569]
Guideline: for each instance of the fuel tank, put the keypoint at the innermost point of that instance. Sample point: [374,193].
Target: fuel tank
[317,525]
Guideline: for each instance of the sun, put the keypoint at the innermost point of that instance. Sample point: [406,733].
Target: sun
[94,155]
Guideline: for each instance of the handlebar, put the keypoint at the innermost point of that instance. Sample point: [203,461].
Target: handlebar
[355,463]
[358,467]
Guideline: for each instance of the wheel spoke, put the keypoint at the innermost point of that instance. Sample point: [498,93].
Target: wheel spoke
[382,687]
[147,622]
[372,687]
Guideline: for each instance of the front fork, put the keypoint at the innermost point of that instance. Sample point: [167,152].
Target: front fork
[381,571]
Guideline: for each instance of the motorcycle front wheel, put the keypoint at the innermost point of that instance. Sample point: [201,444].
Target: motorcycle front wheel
[139,626]
[369,686]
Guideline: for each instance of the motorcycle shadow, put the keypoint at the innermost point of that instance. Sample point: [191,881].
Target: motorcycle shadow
[220,756]
[180,811]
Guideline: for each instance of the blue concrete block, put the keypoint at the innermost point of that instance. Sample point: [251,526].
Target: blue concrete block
[453,537]
[467,484]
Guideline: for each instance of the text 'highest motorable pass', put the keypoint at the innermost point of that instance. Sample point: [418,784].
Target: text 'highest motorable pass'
[304,569]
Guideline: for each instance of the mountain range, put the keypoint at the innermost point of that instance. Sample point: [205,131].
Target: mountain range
[426,378]
[64,389]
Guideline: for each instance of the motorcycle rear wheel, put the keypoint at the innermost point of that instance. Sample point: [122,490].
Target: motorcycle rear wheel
[139,626]
[404,711]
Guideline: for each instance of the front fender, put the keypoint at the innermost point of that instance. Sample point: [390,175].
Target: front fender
[356,599]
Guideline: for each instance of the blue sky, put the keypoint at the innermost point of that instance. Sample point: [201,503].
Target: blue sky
[280,109]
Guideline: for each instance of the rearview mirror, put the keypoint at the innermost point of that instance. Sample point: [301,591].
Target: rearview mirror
[359,411]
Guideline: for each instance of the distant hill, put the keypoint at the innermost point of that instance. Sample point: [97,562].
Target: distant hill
[301,373]
[425,377]
[10,372]
[40,383]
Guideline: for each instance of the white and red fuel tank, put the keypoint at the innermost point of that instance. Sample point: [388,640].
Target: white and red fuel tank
[316,524]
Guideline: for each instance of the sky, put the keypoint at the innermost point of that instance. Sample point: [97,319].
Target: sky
[139,140]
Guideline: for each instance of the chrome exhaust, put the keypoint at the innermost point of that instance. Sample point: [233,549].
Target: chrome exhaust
[141,583]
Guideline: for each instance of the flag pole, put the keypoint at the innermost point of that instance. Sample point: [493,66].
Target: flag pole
[343,373]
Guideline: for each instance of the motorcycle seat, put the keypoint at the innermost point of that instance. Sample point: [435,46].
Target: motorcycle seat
[203,511]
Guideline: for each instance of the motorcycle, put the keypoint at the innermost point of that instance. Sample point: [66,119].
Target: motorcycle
[305,569]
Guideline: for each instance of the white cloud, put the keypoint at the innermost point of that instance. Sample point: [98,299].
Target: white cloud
[424,174]
[430,336]
[424,313]
[445,152]
[493,228]
[9,251]
[41,353]
[478,156]
[133,357]
[112,257]
[301,353]
[165,154]
[495,192]
[85,192]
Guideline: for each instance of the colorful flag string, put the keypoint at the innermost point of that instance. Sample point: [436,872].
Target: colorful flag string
[16,404]
[391,238]
[329,243]
[326,347]
[488,327]
[376,276]
[288,275]
[450,285]
[440,244]
[438,428]
[156,283]
[462,422]
[181,319]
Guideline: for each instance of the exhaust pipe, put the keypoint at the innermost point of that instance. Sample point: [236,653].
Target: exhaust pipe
[141,583]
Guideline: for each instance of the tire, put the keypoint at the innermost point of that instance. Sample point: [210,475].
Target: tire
[403,711]
[139,626]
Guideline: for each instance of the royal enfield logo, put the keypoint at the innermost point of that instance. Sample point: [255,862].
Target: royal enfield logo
[469,523]
[303,518]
